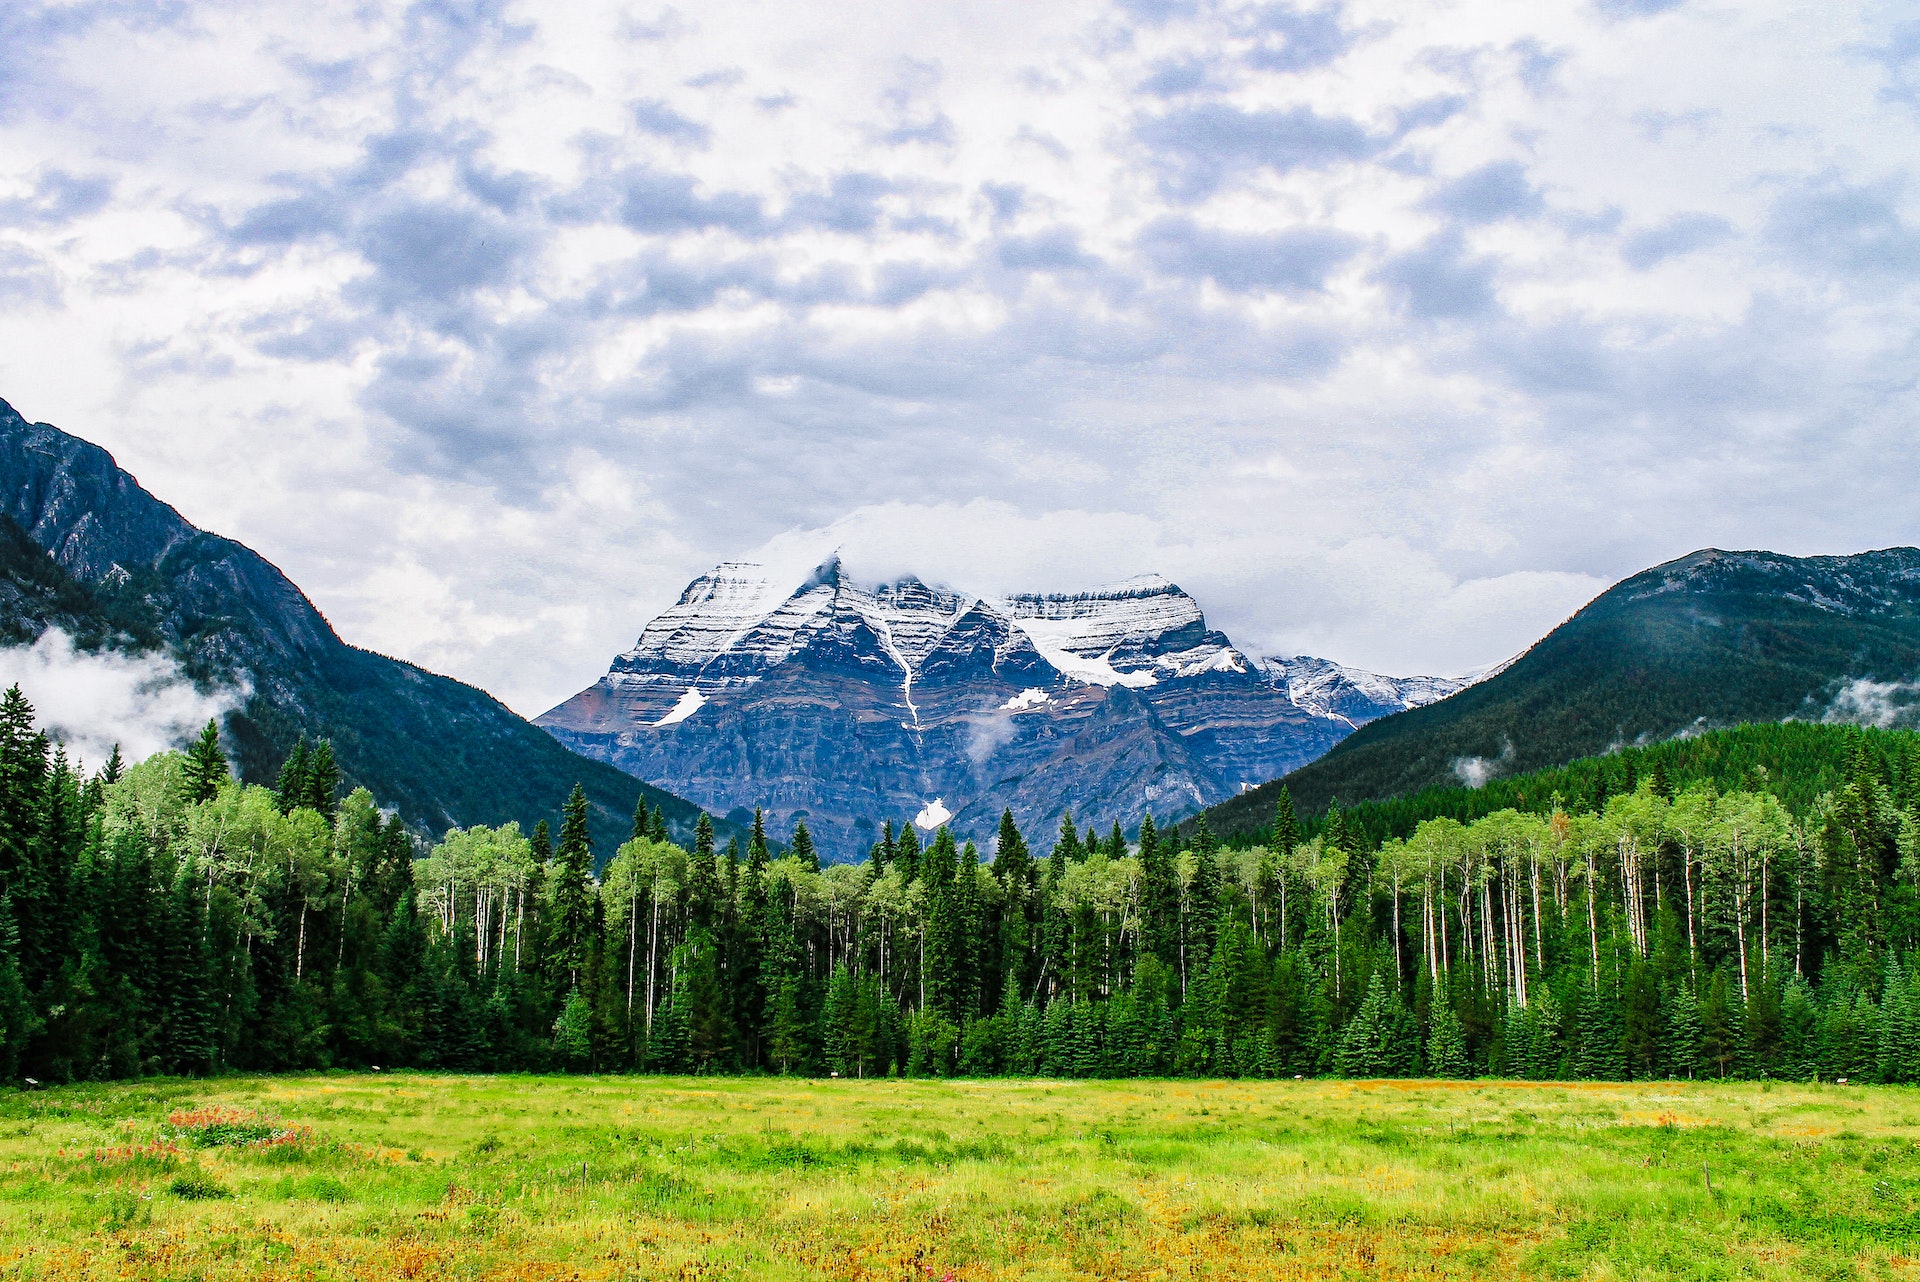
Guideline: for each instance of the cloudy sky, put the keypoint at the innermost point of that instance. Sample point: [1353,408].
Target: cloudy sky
[1392,331]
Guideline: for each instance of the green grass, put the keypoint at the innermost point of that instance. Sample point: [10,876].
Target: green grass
[405,1175]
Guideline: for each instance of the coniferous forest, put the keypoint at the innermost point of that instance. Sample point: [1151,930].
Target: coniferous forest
[162,918]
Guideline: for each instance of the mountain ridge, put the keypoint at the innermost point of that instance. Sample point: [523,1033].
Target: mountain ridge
[1710,639]
[442,752]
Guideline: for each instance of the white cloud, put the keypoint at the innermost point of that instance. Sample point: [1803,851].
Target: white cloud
[1866,702]
[1476,772]
[1392,332]
[90,702]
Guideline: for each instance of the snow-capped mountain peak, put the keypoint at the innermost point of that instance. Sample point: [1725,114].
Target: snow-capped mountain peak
[800,688]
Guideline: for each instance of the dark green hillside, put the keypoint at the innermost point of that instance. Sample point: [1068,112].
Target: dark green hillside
[84,547]
[1796,761]
[1713,639]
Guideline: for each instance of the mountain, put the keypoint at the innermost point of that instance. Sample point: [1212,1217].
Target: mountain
[84,547]
[846,704]
[1712,639]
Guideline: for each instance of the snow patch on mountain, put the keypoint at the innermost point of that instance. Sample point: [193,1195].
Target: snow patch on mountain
[1025,700]
[1330,689]
[1055,639]
[690,702]
[932,815]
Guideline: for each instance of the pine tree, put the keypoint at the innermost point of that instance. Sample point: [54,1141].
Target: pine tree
[1446,1046]
[1067,848]
[1159,897]
[837,1041]
[1640,1018]
[906,853]
[668,1047]
[945,927]
[292,785]
[1021,907]
[1899,1027]
[18,1020]
[116,767]
[1720,1031]
[1286,825]
[1599,1056]
[703,881]
[786,1026]
[573,1032]
[206,766]
[1680,1051]
[570,892]
[1657,781]
[323,779]
[709,1031]
[803,847]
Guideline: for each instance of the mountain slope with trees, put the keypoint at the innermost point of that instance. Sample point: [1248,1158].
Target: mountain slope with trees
[122,568]
[1712,639]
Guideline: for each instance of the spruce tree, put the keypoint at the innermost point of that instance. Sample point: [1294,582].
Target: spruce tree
[1598,1056]
[1658,782]
[323,779]
[292,784]
[18,1020]
[1286,825]
[1720,1031]
[1446,1045]
[703,881]
[906,853]
[668,1047]
[803,847]
[1159,897]
[570,892]
[206,766]
[836,1023]
[573,1032]
[1020,907]
[1640,1019]
[786,1026]
[1364,1049]
[1899,1026]
[1067,848]
[1680,1051]
[1799,1031]
[945,936]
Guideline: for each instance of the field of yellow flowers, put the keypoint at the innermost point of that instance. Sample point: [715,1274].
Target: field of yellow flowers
[382,1176]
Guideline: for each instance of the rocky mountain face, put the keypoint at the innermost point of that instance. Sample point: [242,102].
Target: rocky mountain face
[1710,640]
[846,704]
[84,547]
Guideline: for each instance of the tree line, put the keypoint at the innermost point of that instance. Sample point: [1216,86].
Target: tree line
[165,918]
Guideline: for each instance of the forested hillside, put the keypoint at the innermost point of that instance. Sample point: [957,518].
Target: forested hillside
[85,548]
[1796,761]
[1711,640]
[165,918]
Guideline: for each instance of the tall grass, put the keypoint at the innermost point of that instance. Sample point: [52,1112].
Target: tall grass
[423,1176]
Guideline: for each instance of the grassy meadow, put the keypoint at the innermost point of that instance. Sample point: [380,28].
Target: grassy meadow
[423,1176]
